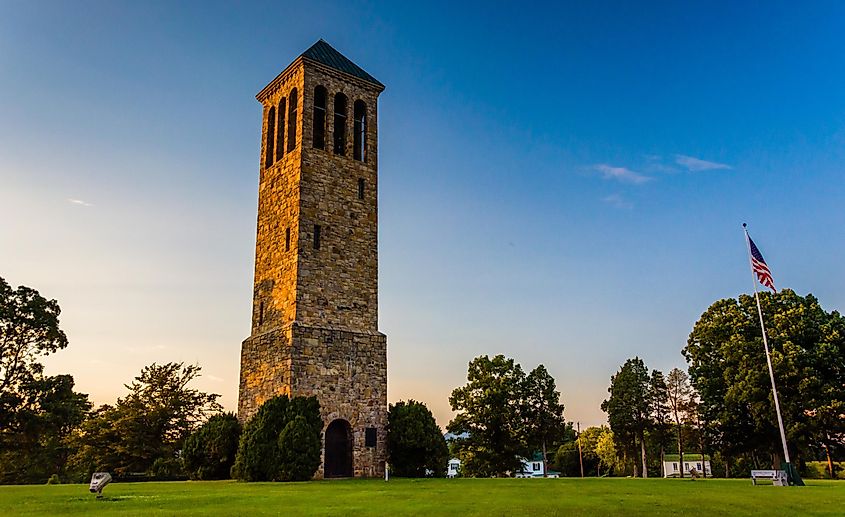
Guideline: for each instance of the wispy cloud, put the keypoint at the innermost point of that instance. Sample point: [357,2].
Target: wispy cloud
[696,164]
[215,378]
[654,164]
[622,174]
[617,201]
[79,202]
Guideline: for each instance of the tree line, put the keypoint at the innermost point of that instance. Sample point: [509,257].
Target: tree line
[721,408]
[162,428]
[724,407]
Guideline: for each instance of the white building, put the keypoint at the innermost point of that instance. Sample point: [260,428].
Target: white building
[672,465]
[453,468]
[533,468]
[530,468]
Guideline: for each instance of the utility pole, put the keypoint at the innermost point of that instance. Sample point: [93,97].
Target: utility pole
[580,455]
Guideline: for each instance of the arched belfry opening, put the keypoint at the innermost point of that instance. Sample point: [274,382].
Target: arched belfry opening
[338,452]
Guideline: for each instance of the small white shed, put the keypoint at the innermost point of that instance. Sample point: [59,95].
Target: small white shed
[672,465]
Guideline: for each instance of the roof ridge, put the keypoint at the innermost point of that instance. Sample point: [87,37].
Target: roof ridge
[323,53]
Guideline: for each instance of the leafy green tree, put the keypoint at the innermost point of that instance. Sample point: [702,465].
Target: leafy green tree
[628,409]
[544,423]
[40,441]
[209,452]
[728,370]
[415,443]
[589,438]
[152,421]
[38,413]
[299,448]
[491,410]
[29,330]
[607,451]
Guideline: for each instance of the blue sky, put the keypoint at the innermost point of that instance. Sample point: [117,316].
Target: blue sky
[560,183]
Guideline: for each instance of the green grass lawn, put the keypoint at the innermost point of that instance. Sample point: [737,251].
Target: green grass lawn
[455,497]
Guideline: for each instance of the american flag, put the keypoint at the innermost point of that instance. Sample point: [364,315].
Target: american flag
[760,267]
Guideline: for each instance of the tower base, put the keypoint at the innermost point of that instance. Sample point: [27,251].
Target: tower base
[346,370]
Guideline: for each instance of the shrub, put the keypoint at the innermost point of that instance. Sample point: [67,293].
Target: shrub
[209,452]
[299,448]
[259,456]
[166,469]
[54,480]
[415,444]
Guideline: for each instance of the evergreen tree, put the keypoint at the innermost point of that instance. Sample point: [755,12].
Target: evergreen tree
[264,455]
[415,444]
[299,448]
[629,408]
[660,428]
[543,412]
[209,452]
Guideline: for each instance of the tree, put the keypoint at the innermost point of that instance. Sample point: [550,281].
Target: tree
[607,451]
[29,329]
[589,448]
[152,421]
[415,443]
[628,408]
[543,411]
[262,453]
[728,370]
[567,459]
[659,401]
[490,411]
[38,413]
[299,448]
[679,394]
[39,446]
[209,452]
[258,450]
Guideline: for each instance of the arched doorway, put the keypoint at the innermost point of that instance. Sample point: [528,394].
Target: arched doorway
[338,457]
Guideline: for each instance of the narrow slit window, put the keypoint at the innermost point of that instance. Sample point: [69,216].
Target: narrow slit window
[340,124]
[360,131]
[370,437]
[319,126]
[271,137]
[361,185]
[261,313]
[287,239]
[293,101]
[316,236]
[280,130]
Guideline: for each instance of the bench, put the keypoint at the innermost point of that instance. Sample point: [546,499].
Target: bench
[777,477]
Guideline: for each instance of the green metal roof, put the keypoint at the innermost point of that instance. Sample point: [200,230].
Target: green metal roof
[325,54]
[687,457]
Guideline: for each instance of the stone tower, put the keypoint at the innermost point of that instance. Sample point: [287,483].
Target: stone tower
[315,297]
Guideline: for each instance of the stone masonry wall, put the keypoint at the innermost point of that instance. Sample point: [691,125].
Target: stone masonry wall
[347,371]
[265,370]
[274,295]
[315,311]
[337,285]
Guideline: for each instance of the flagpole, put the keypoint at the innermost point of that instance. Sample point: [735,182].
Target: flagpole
[766,346]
